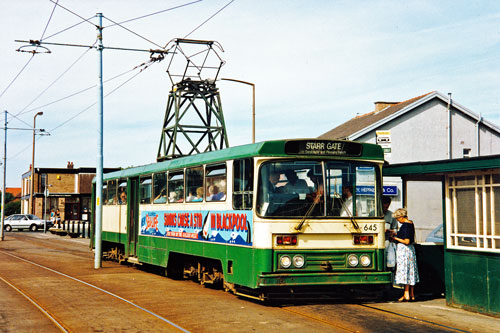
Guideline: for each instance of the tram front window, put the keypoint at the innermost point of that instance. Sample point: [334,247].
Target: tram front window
[312,188]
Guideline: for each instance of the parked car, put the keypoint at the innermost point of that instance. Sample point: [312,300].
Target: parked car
[24,221]
[436,235]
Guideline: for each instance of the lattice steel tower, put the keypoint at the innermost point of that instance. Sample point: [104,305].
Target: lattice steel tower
[194,121]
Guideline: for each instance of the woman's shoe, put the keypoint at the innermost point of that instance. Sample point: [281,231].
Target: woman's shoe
[412,299]
[403,299]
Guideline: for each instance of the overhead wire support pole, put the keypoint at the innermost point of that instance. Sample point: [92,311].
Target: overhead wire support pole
[99,171]
[99,168]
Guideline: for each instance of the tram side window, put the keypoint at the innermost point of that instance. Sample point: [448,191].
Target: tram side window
[122,191]
[105,193]
[160,188]
[215,182]
[145,190]
[112,199]
[243,184]
[176,186]
[194,184]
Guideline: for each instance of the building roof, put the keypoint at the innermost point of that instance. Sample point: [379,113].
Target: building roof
[360,125]
[15,191]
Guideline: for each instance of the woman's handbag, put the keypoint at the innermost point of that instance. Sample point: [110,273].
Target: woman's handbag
[390,254]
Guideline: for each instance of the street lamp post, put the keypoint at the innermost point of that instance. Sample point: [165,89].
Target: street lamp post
[30,210]
[253,103]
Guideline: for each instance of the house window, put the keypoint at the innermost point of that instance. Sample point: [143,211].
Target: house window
[43,181]
[467,152]
[473,212]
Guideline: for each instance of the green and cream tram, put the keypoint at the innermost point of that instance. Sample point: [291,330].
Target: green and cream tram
[255,218]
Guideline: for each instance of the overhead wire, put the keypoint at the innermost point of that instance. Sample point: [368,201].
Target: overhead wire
[128,80]
[217,12]
[70,11]
[32,55]
[85,109]
[134,33]
[158,12]
[50,18]
[78,92]
[68,28]
[57,79]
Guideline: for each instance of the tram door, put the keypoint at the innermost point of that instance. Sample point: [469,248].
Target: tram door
[133,217]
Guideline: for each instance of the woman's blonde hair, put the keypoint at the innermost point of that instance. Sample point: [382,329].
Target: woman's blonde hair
[401,212]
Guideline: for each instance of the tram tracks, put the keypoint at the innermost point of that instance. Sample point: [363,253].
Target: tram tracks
[44,311]
[58,322]
[405,320]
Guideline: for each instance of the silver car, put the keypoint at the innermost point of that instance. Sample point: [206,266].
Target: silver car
[24,221]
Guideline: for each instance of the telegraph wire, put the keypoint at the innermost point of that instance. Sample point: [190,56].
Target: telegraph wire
[217,12]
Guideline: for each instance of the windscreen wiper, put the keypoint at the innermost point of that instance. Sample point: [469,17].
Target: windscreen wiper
[349,214]
[298,227]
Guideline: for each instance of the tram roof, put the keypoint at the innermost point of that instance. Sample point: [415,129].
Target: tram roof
[265,148]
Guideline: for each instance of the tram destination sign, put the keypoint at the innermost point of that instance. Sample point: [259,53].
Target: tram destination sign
[323,147]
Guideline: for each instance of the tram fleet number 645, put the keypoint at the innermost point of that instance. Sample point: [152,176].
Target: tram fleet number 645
[257,219]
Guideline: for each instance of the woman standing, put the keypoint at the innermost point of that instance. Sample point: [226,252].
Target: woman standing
[406,259]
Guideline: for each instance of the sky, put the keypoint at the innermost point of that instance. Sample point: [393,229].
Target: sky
[315,65]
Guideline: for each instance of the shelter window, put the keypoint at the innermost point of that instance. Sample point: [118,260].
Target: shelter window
[194,184]
[176,186]
[215,182]
[160,188]
[112,199]
[145,190]
[122,191]
[473,212]
[243,184]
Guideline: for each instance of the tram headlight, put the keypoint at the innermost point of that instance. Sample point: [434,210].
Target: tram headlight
[298,261]
[365,260]
[285,261]
[352,260]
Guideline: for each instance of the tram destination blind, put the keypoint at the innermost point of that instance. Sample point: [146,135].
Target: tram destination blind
[323,147]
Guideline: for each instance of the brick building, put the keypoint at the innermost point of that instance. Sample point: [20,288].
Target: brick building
[68,189]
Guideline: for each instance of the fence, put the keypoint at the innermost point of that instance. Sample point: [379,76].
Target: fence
[72,228]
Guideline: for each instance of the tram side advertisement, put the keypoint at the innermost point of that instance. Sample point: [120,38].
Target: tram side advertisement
[227,227]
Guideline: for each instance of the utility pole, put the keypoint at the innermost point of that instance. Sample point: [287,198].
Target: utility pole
[4,173]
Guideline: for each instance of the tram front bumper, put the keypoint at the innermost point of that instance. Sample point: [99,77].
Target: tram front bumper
[323,279]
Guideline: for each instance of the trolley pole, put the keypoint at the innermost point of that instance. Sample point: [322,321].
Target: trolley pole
[98,206]
[4,172]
